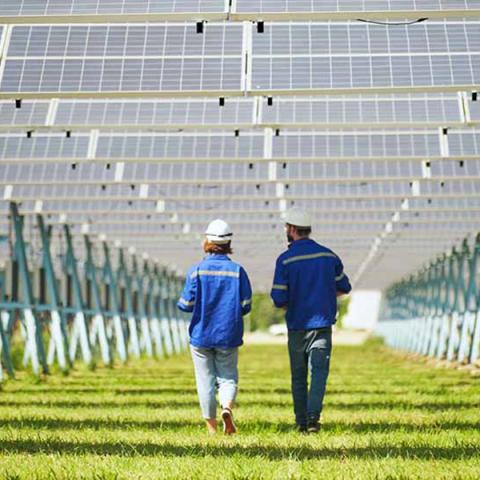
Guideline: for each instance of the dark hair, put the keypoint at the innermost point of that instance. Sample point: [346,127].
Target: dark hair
[210,247]
[302,231]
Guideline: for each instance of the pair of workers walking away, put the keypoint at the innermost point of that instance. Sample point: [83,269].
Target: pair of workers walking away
[307,281]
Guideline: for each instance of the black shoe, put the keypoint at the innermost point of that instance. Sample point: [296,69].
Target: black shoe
[313,427]
[301,428]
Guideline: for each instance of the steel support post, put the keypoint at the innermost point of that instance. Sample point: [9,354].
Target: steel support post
[152,299]
[164,311]
[124,276]
[98,329]
[145,334]
[118,329]
[34,348]
[58,346]
[79,334]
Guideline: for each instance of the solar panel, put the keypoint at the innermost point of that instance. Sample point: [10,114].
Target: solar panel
[344,144]
[156,113]
[199,146]
[134,58]
[43,146]
[325,57]
[368,111]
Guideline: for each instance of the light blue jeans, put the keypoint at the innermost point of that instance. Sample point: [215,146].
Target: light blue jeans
[309,351]
[215,368]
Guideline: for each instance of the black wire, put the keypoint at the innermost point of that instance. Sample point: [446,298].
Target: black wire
[419,20]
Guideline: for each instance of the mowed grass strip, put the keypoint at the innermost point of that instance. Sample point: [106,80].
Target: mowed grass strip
[384,417]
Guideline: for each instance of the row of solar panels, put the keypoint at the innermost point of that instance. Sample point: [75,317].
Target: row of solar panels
[221,39]
[236,9]
[258,218]
[350,228]
[250,145]
[234,206]
[429,188]
[230,59]
[368,112]
[212,173]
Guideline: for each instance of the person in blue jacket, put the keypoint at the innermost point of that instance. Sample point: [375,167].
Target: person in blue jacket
[217,291]
[307,281]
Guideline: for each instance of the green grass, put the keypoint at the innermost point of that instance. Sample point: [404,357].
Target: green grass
[384,417]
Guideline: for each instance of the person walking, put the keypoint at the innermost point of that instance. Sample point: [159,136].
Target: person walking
[218,293]
[307,281]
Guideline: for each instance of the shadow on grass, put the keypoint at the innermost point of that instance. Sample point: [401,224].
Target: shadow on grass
[246,426]
[251,451]
[333,405]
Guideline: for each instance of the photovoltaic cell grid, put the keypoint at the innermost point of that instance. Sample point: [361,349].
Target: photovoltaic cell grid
[92,58]
[359,56]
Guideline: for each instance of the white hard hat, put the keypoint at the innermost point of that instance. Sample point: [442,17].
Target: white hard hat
[219,232]
[297,217]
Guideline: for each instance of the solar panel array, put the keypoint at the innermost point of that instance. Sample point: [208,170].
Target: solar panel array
[146,119]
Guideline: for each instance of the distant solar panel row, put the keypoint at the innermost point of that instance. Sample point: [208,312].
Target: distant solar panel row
[288,57]
[416,205]
[308,191]
[210,173]
[251,145]
[439,109]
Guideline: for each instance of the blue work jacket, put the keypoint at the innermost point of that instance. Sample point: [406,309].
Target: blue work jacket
[307,278]
[218,292]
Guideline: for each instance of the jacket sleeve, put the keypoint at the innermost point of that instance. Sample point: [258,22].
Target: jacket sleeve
[279,292]
[341,280]
[245,292]
[187,301]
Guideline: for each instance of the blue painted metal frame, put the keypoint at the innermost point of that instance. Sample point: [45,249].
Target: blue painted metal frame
[89,322]
[436,312]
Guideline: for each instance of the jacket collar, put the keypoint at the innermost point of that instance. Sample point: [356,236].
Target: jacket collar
[300,241]
[215,256]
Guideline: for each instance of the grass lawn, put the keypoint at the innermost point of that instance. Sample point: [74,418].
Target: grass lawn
[384,417]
